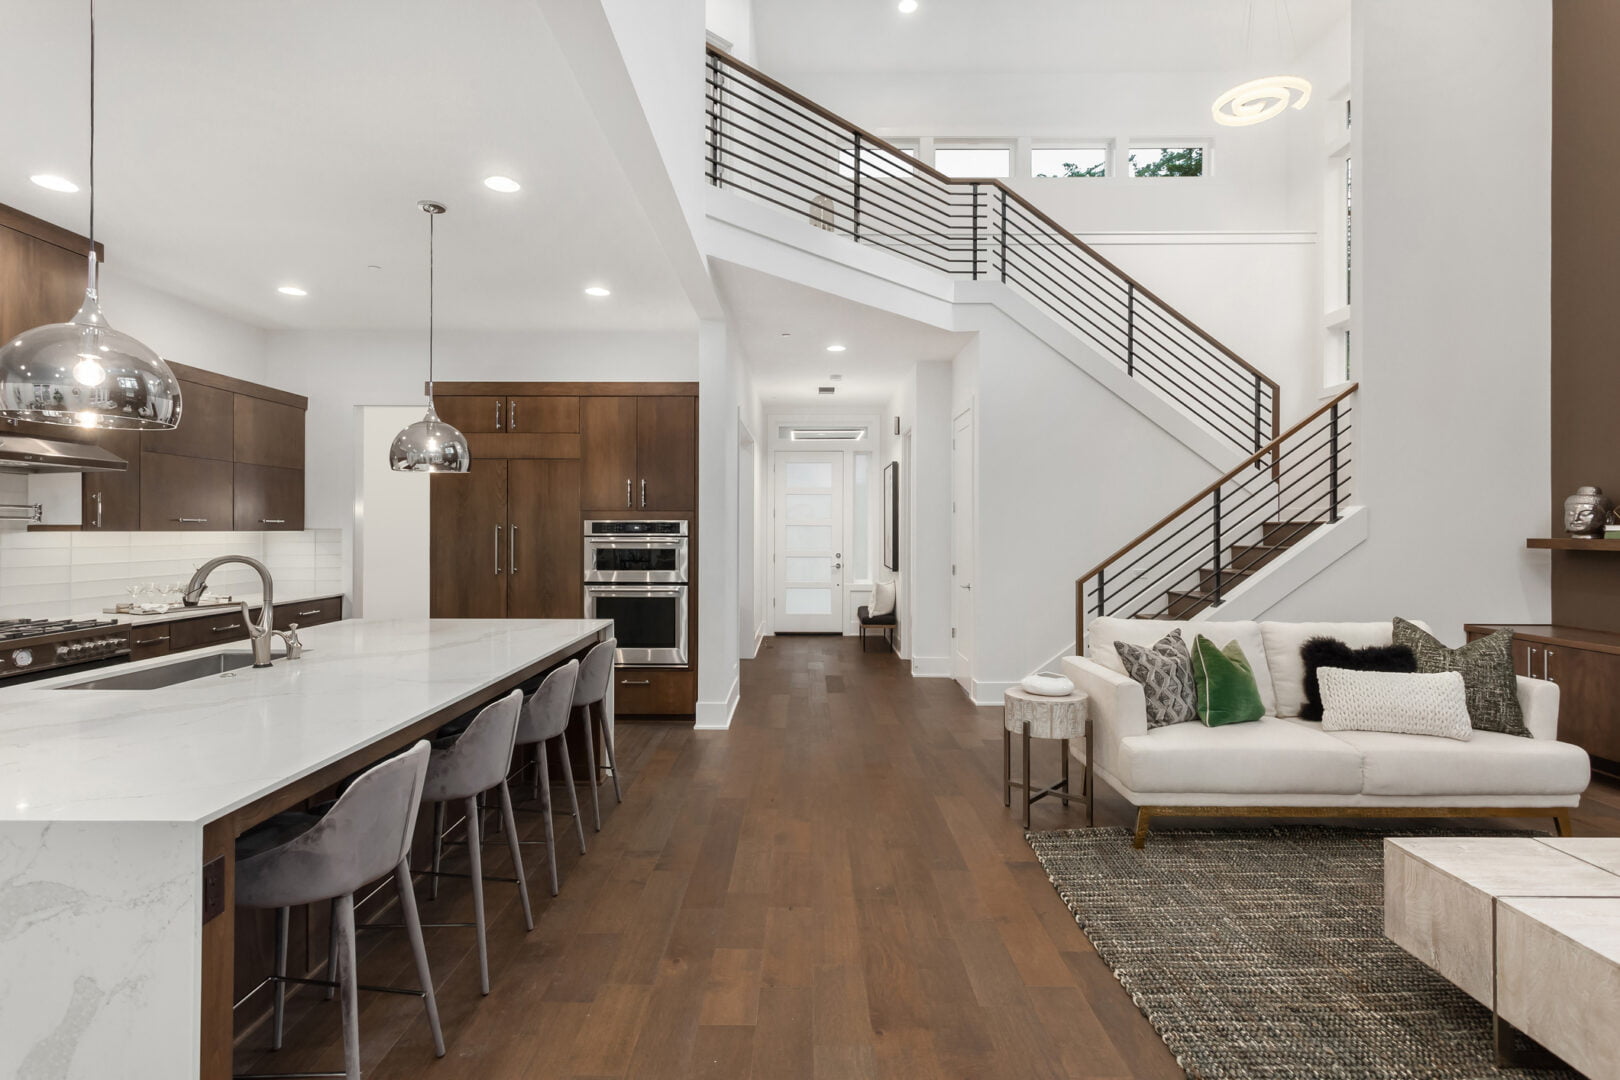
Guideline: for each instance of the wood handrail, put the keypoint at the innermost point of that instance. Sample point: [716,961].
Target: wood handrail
[1012,195]
[1230,474]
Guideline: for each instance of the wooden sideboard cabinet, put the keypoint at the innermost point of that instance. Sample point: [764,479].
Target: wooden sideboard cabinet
[1586,666]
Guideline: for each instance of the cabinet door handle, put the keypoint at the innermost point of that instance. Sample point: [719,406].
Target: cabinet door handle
[192,521]
[635,682]
[272,521]
[511,551]
[97,497]
[1546,669]
[497,414]
[497,549]
[644,493]
[511,415]
[154,640]
[627,502]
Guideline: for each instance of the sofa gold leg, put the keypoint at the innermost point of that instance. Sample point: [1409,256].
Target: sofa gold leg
[1143,816]
[1562,823]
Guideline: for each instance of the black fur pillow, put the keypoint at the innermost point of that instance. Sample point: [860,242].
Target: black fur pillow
[1321,652]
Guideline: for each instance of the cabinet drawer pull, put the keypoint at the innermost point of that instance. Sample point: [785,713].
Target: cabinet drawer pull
[272,521]
[223,629]
[635,682]
[154,640]
[311,611]
[192,521]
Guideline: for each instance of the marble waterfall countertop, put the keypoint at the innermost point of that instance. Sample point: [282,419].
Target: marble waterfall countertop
[104,795]
[198,750]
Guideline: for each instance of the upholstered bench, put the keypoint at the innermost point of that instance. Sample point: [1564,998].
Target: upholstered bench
[869,621]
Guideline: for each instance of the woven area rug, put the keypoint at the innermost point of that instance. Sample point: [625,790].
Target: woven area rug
[1261,954]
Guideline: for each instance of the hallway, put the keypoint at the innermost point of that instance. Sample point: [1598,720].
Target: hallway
[829,890]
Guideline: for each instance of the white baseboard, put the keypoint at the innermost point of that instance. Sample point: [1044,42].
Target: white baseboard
[989,693]
[930,667]
[759,639]
[716,715]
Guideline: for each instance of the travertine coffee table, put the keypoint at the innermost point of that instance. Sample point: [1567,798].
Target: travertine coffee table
[1529,927]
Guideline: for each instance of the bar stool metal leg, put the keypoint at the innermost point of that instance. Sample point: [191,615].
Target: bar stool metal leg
[600,710]
[590,760]
[475,845]
[509,826]
[331,949]
[543,793]
[438,849]
[347,986]
[413,929]
[283,925]
[573,790]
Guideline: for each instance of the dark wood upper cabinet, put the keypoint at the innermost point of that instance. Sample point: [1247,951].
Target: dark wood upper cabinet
[111,501]
[465,414]
[468,545]
[543,537]
[191,493]
[542,415]
[608,453]
[207,425]
[268,433]
[268,498]
[666,453]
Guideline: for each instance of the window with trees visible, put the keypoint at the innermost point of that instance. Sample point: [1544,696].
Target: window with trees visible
[1064,162]
[1167,161]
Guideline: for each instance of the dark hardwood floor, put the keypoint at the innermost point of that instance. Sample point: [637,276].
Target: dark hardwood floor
[831,889]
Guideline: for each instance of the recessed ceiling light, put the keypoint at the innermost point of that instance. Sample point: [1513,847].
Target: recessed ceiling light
[835,378]
[908,6]
[597,290]
[292,290]
[55,183]
[835,348]
[502,183]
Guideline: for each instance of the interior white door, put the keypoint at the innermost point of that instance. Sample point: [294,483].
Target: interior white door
[962,515]
[808,534]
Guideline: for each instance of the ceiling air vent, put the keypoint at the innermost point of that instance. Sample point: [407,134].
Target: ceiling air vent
[825,389]
[825,434]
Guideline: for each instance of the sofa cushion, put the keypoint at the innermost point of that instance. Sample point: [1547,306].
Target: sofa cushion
[1104,632]
[1267,756]
[1490,763]
[1283,641]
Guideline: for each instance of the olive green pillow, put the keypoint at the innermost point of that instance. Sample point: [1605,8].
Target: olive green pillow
[1486,665]
[1227,692]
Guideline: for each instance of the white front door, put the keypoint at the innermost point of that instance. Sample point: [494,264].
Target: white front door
[808,534]
[962,513]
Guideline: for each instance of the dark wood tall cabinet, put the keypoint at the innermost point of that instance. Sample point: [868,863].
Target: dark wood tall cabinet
[640,453]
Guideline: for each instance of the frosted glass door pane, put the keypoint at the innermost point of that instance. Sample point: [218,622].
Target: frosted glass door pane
[809,569]
[809,601]
[815,475]
[801,508]
[807,537]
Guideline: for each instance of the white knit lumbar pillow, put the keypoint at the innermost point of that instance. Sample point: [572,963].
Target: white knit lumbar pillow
[1395,701]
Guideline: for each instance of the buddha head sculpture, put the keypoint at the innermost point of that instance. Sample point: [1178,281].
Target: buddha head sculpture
[1586,512]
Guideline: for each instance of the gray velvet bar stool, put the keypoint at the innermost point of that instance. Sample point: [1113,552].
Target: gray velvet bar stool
[461,769]
[590,694]
[544,721]
[298,858]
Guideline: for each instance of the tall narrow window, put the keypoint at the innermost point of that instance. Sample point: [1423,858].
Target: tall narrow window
[1348,261]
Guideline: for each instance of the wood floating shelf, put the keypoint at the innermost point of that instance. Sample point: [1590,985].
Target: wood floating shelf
[1571,543]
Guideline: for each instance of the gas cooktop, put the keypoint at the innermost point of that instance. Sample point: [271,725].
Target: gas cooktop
[17,629]
[33,647]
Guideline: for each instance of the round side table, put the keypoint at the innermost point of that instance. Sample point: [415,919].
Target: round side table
[1038,717]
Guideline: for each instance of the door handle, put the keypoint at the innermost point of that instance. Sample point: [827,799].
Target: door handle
[497,549]
[511,551]
[511,415]
[497,414]
[838,566]
[97,497]
[644,493]
[1546,669]
[627,502]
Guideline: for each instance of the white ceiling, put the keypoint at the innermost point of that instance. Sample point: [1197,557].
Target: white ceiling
[785,329]
[242,146]
[1037,35]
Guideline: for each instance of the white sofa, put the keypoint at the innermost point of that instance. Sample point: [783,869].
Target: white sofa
[1284,766]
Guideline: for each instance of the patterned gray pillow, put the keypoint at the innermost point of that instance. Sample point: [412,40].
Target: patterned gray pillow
[1166,674]
[1487,670]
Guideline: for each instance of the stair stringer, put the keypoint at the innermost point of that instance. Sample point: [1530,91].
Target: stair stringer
[761,237]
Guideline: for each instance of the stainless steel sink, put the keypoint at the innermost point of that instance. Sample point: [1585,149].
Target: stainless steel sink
[156,678]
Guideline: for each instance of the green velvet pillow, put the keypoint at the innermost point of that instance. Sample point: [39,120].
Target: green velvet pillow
[1227,692]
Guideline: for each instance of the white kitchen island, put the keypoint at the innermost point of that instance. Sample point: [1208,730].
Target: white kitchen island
[113,801]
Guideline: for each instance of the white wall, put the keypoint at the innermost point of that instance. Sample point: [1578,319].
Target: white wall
[184,332]
[392,521]
[732,20]
[928,575]
[1452,328]
[720,382]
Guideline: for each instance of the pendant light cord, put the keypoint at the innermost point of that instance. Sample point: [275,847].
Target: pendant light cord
[92,127]
[431,216]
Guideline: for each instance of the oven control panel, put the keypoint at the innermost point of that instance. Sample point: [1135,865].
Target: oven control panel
[635,528]
[63,649]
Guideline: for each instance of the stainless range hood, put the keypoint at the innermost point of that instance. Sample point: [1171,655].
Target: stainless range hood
[25,454]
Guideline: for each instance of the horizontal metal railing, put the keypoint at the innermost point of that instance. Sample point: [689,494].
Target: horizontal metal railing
[774,144]
[1194,557]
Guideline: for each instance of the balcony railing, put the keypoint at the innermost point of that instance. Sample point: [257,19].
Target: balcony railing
[776,145]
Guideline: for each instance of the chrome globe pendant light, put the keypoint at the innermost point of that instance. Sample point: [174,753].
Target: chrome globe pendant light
[430,444]
[83,372]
